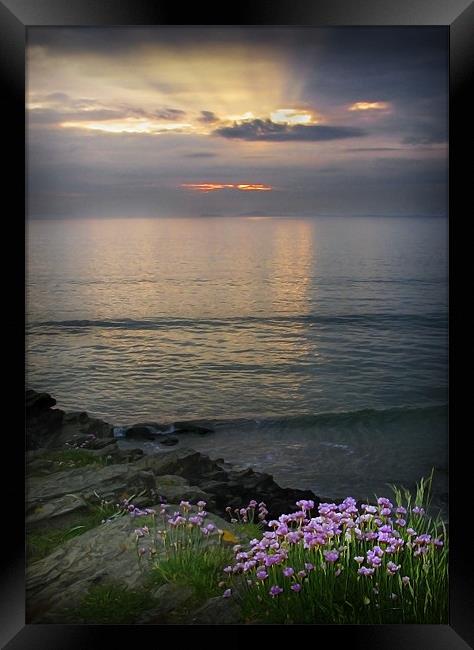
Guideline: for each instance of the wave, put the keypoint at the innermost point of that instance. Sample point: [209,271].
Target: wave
[346,419]
[433,319]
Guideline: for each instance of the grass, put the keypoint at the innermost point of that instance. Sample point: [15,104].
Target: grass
[42,542]
[248,531]
[200,569]
[112,604]
[73,458]
[184,555]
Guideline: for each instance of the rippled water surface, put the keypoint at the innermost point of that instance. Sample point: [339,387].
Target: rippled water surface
[251,321]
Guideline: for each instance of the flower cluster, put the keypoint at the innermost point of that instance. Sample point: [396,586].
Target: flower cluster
[247,515]
[299,545]
[184,527]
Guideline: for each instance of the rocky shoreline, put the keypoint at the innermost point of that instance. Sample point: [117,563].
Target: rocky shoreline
[74,465]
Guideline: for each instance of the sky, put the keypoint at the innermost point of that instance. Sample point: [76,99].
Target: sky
[215,121]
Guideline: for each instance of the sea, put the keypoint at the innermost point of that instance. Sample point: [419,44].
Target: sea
[315,347]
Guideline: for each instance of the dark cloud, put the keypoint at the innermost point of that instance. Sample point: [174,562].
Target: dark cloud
[272,132]
[53,116]
[87,110]
[208,117]
[57,97]
[169,114]
[358,44]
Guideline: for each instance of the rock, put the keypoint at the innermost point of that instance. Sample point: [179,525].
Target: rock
[111,482]
[188,463]
[157,427]
[191,427]
[51,427]
[169,598]
[38,402]
[175,489]
[218,611]
[168,441]
[75,416]
[40,466]
[89,441]
[107,553]
[55,508]
[54,495]
[82,423]
[171,480]
[140,433]
[227,486]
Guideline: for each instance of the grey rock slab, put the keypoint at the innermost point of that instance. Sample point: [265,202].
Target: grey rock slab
[62,578]
[169,598]
[107,553]
[218,611]
[87,482]
[55,508]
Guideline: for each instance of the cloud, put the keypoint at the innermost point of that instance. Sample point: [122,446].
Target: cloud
[60,107]
[365,149]
[169,114]
[427,138]
[200,154]
[57,97]
[52,116]
[268,131]
[208,117]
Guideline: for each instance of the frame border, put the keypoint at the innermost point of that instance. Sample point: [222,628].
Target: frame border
[457,15]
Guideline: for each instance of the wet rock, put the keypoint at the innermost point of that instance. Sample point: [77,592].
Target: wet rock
[51,427]
[192,427]
[138,432]
[157,427]
[89,441]
[227,486]
[168,441]
[188,463]
[38,402]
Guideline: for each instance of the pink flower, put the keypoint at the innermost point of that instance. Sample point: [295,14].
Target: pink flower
[331,556]
[275,590]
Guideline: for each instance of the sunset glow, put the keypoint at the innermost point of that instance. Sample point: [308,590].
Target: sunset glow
[369,106]
[128,125]
[292,116]
[212,187]
[178,121]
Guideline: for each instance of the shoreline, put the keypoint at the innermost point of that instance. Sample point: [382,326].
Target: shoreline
[84,493]
[79,535]
[352,452]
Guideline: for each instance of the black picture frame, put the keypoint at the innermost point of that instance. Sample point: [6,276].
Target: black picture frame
[15,17]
